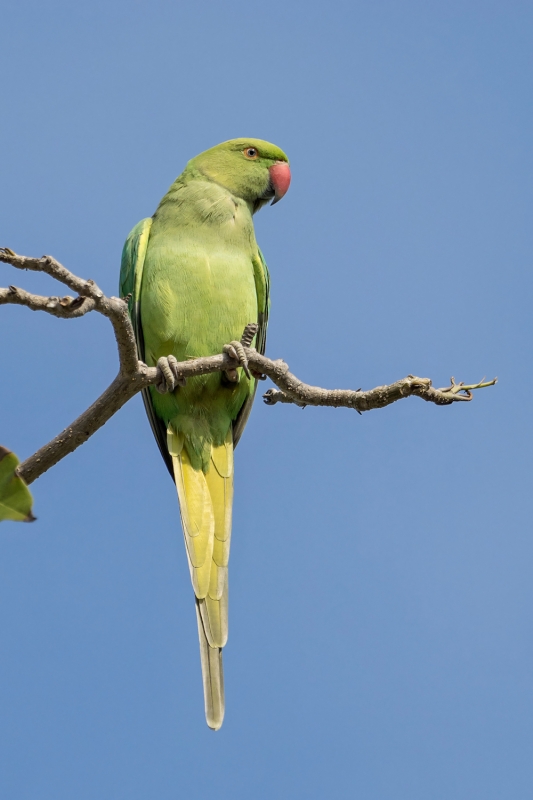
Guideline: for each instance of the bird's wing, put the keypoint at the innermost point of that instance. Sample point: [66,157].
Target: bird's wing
[262,287]
[131,272]
[131,266]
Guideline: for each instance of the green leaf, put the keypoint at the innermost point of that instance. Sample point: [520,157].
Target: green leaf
[15,498]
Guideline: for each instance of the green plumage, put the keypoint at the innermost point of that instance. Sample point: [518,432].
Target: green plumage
[196,278]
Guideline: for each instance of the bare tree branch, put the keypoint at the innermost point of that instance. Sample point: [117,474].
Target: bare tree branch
[133,375]
[411,386]
[62,307]
[111,307]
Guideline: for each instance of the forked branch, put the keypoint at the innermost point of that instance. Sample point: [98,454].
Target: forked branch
[134,375]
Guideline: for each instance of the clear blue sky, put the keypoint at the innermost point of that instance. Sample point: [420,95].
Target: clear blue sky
[381,612]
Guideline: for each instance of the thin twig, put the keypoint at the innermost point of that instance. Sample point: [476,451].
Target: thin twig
[133,375]
[62,307]
[294,391]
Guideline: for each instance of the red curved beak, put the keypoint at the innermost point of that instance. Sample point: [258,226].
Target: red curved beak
[280,178]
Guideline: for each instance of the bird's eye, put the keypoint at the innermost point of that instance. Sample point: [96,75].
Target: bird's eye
[251,152]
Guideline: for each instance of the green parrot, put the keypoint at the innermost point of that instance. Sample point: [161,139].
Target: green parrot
[195,278]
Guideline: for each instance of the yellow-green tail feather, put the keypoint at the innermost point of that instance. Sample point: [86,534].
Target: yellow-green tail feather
[205,504]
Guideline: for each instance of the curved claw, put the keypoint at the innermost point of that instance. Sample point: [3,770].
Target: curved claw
[236,351]
[169,375]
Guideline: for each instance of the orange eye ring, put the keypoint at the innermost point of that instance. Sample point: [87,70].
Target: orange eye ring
[251,153]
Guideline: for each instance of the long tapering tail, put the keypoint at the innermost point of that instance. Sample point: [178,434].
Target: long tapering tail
[213,677]
[205,505]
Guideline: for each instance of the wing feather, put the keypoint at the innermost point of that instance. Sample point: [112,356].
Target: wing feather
[262,287]
[131,273]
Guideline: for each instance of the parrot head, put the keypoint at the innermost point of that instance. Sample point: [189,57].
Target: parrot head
[251,169]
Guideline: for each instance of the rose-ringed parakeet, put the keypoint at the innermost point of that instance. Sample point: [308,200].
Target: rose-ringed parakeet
[195,278]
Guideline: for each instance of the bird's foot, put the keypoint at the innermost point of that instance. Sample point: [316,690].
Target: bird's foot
[169,376]
[246,340]
[236,351]
[249,333]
